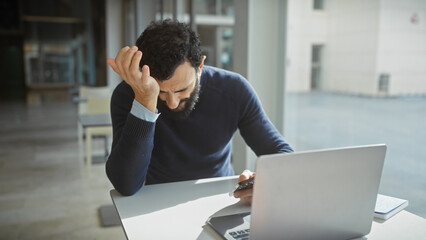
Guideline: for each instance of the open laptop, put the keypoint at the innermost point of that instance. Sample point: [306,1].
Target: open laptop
[324,194]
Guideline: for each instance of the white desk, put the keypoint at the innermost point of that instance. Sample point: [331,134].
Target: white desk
[179,211]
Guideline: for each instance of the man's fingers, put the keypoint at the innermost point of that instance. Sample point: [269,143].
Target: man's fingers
[244,193]
[134,67]
[248,199]
[128,57]
[119,59]
[113,65]
[145,73]
[245,175]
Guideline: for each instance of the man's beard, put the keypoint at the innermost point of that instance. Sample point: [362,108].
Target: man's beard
[187,109]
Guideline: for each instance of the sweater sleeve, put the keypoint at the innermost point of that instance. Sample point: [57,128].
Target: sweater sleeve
[255,127]
[133,141]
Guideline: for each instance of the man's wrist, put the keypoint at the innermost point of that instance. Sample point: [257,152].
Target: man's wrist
[150,104]
[140,111]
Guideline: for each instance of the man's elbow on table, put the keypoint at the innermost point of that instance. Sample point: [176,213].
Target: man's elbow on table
[125,188]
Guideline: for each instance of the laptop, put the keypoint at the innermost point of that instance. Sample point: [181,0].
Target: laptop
[322,194]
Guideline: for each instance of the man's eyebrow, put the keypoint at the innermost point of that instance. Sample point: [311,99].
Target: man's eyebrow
[181,90]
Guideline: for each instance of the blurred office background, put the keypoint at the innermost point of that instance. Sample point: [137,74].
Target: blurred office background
[329,73]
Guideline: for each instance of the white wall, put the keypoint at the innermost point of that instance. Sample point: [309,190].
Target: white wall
[350,54]
[305,28]
[362,39]
[402,46]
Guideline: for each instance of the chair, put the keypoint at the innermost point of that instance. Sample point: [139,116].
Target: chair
[96,92]
[94,100]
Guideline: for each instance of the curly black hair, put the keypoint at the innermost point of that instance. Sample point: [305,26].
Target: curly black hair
[166,45]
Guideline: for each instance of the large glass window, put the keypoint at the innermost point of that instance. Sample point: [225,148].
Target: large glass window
[214,22]
[318,4]
[354,77]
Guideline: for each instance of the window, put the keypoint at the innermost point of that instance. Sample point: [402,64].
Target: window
[318,4]
[359,84]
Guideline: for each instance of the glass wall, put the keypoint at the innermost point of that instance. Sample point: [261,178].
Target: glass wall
[355,75]
[58,43]
[212,19]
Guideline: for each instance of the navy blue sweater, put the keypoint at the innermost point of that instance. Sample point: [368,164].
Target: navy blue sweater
[197,147]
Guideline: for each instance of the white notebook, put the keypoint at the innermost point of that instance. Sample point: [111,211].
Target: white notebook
[387,206]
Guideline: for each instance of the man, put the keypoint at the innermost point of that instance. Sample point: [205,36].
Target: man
[200,108]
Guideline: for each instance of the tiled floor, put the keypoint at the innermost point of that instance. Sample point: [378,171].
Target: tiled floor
[45,192]
[321,120]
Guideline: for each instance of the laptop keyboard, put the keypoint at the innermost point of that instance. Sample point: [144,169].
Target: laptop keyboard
[241,234]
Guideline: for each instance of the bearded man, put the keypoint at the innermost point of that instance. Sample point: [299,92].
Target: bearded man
[173,117]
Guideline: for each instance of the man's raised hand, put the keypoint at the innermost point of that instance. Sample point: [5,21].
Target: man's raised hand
[145,87]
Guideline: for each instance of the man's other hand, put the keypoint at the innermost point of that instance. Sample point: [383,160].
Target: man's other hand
[145,87]
[246,194]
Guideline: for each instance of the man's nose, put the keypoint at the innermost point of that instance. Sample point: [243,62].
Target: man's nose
[172,101]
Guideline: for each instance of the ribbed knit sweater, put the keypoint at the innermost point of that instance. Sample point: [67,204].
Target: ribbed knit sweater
[198,147]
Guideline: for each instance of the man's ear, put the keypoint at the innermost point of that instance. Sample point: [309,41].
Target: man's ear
[201,65]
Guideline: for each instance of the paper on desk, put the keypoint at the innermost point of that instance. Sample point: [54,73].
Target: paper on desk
[387,206]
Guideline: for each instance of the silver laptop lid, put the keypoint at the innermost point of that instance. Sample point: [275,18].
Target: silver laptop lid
[325,194]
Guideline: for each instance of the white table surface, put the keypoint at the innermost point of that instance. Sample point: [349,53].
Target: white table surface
[179,211]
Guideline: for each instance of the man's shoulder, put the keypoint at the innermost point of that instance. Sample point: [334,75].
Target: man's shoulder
[220,74]
[222,79]
[123,88]
[123,93]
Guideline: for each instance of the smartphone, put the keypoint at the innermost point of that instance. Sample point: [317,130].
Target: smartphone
[246,184]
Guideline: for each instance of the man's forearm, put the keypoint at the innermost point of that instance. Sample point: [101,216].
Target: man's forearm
[130,156]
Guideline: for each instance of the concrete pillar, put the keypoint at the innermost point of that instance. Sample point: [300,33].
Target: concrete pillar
[260,31]
[114,37]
